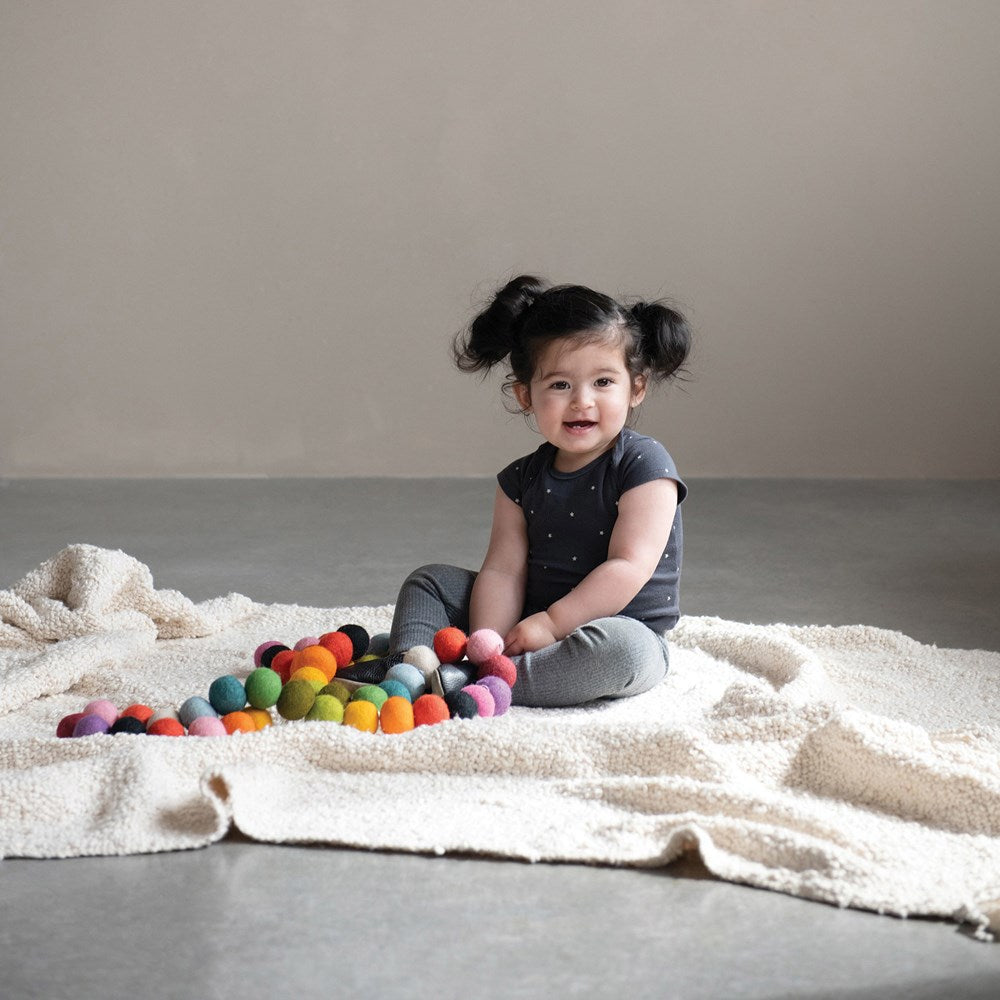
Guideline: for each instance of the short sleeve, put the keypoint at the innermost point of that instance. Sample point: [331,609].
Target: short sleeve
[645,459]
[511,479]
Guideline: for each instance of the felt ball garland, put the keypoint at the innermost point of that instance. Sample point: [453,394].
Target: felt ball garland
[428,685]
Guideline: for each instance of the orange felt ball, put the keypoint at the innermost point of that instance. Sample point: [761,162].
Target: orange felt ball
[239,722]
[338,643]
[319,657]
[140,712]
[361,715]
[449,644]
[396,715]
[282,664]
[260,718]
[429,709]
[166,727]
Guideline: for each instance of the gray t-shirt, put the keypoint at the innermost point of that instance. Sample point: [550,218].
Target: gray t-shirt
[570,516]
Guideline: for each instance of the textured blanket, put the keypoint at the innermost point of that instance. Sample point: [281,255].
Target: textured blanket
[850,765]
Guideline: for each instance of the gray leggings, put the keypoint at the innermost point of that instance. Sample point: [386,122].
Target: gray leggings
[607,658]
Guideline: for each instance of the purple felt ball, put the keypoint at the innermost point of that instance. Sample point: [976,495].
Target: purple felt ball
[89,725]
[501,692]
[104,708]
[483,644]
[483,699]
[262,648]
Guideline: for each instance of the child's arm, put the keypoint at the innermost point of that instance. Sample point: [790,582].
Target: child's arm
[645,518]
[498,593]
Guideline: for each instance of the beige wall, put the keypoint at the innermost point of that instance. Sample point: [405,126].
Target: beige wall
[237,236]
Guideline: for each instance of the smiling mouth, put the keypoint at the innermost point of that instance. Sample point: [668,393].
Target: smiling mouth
[580,424]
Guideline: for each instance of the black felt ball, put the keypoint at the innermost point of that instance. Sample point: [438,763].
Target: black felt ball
[360,639]
[127,724]
[269,654]
[461,705]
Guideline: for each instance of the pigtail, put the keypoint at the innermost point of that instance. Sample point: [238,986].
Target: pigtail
[493,334]
[665,339]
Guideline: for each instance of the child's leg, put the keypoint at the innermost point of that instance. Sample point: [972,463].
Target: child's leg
[431,598]
[607,658]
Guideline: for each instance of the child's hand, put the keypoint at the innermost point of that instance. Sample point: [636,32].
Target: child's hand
[529,634]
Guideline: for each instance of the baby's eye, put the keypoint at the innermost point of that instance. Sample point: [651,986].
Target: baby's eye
[604,382]
[561,384]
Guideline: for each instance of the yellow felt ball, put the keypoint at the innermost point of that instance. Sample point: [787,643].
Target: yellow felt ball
[311,675]
[361,715]
[261,719]
[396,715]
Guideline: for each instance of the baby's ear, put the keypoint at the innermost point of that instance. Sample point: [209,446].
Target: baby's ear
[638,389]
[523,395]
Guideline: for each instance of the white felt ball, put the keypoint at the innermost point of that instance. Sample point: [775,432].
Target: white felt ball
[423,658]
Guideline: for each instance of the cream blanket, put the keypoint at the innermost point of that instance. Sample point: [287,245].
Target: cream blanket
[851,765]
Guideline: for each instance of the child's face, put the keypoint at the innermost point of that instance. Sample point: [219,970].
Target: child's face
[580,396]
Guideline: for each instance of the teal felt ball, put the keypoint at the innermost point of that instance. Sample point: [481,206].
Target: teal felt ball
[227,694]
[394,688]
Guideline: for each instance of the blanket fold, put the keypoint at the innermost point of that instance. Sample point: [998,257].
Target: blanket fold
[850,765]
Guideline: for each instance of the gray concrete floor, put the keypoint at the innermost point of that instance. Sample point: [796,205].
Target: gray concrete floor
[255,920]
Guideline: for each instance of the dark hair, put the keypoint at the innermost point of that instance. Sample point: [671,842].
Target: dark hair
[525,315]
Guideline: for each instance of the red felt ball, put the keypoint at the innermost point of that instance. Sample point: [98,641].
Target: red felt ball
[166,727]
[449,644]
[282,664]
[67,724]
[340,644]
[499,666]
[140,712]
[429,709]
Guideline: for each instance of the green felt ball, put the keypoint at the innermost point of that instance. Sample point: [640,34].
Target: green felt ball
[326,708]
[263,688]
[370,692]
[339,690]
[296,699]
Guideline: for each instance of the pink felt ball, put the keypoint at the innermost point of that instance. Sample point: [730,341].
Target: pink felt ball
[306,642]
[104,708]
[500,690]
[499,666]
[483,644]
[483,699]
[207,725]
[260,650]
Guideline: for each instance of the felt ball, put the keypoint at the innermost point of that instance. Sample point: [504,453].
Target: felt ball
[500,690]
[395,689]
[360,640]
[296,699]
[89,725]
[262,648]
[340,645]
[318,657]
[372,693]
[361,715]
[482,644]
[311,675]
[238,722]
[282,664]
[263,687]
[499,666]
[379,644]
[429,709]
[165,727]
[192,709]
[66,725]
[162,713]
[408,674]
[305,643]
[326,708]
[339,690]
[423,658]
[207,725]
[227,694]
[449,644]
[461,705]
[396,715]
[485,705]
[452,676]
[140,712]
[261,718]
[104,708]
[127,724]
[267,657]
